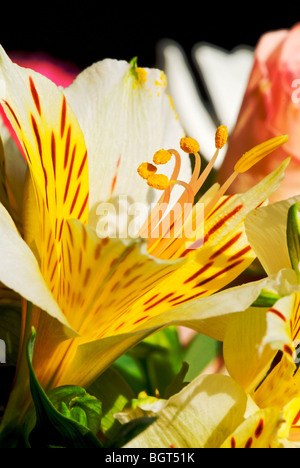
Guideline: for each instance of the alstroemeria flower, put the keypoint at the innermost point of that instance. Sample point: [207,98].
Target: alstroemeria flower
[94,298]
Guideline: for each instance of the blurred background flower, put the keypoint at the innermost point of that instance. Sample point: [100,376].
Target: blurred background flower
[254,92]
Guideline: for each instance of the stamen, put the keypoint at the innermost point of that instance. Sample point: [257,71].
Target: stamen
[221,136]
[162,157]
[160,243]
[145,170]
[220,141]
[189,145]
[158,181]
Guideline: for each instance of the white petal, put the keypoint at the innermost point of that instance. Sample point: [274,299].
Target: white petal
[124,122]
[226,76]
[266,232]
[20,271]
[186,97]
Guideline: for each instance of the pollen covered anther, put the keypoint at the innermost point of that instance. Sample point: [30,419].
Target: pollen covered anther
[189,145]
[158,181]
[221,136]
[162,157]
[145,170]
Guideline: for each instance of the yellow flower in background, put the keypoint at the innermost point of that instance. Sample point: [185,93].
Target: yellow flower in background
[90,298]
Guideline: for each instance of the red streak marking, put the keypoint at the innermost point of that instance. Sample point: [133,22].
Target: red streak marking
[279,314]
[151,299]
[140,320]
[35,95]
[158,302]
[12,113]
[226,246]
[67,148]
[297,417]
[199,272]
[63,117]
[83,206]
[288,350]
[249,443]
[222,221]
[53,153]
[198,243]
[219,273]
[113,184]
[75,199]
[220,206]
[82,165]
[190,298]
[259,429]
[70,174]
[240,253]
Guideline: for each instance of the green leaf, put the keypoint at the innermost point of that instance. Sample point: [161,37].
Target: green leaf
[52,428]
[293,237]
[75,403]
[178,383]
[114,393]
[131,369]
[200,352]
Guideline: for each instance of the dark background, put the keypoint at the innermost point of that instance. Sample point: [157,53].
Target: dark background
[83,32]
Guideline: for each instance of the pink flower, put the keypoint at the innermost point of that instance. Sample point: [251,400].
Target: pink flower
[271,106]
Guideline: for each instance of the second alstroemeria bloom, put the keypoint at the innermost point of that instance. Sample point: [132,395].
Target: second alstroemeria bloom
[94,298]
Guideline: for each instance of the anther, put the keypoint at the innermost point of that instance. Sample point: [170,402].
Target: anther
[162,157]
[189,145]
[145,170]
[158,181]
[221,136]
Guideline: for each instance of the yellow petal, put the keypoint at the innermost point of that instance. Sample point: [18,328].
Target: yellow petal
[242,343]
[54,146]
[266,229]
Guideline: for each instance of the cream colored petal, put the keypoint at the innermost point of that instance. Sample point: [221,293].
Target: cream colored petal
[202,415]
[266,232]
[126,116]
[182,87]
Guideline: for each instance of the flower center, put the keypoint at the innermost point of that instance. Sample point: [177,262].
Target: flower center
[182,213]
